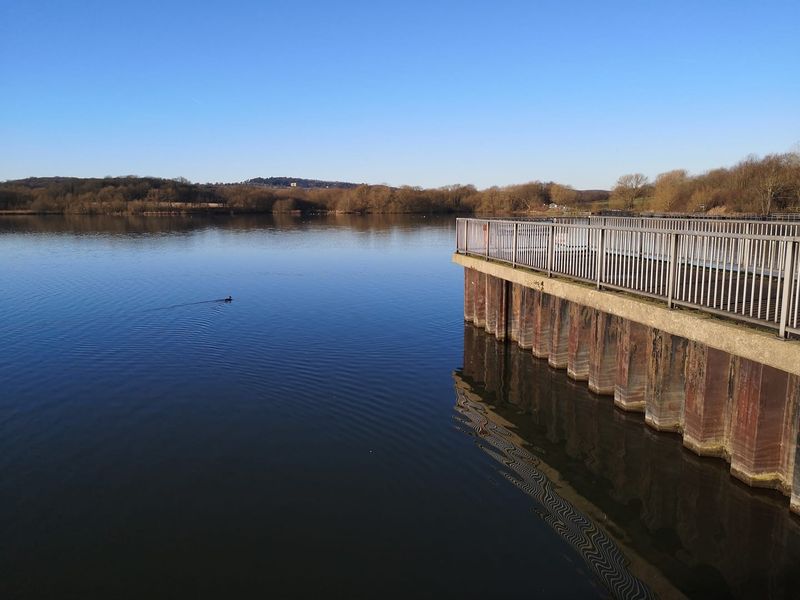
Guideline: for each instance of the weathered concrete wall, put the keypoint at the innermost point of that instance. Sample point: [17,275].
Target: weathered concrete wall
[603,352]
[579,343]
[760,411]
[541,324]
[707,412]
[664,392]
[631,375]
[559,333]
[723,403]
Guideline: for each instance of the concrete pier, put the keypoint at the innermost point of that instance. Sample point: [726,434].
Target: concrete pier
[706,416]
[631,375]
[665,388]
[603,352]
[730,391]
[579,343]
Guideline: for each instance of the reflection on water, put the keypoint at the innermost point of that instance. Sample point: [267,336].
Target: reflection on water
[683,523]
[134,225]
[599,552]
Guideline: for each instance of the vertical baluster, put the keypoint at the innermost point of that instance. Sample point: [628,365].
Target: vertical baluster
[672,266]
[600,237]
[796,277]
[722,268]
[772,247]
[713,242]
[787,285]
[691,243]
[514,245]
[744,262]
[756,254]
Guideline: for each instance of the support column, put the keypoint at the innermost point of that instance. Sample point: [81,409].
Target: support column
[603,353]
[527,318]
[631,379]
[794,467]
[666,386]
[559,334]
[580,336]
[790,470]
[495,306]
[515,311]
[470,275]
[757,424]
[708,391]
[479,287]
[544,306]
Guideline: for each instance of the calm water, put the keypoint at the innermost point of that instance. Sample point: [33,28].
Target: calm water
[336,430]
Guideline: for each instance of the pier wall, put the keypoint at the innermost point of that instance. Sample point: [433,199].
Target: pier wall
[729,391]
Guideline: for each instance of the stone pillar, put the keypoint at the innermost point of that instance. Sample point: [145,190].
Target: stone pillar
[794,449]
[470,275]
[479,287]
[631,379]
[527,318]
[757,425]
[666,386]
[603,353]
[791,430]
[580,335]
[708,391]
[515,311]
[559,333]
[496,306]
[542,324]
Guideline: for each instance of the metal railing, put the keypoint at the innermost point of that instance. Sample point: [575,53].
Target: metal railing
[745,270]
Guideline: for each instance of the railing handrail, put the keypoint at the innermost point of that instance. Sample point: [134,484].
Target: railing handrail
[752,277]
[591,226]
[783,219]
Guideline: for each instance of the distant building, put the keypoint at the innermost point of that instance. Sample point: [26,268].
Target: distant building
[293,184]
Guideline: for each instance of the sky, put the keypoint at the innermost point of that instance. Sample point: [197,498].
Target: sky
[405,93]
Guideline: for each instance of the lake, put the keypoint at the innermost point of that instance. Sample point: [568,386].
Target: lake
[335,430]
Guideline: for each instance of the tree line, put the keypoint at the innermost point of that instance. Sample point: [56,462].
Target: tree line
[141,195]
[754,185]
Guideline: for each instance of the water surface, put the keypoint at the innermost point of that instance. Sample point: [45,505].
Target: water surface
[326,433]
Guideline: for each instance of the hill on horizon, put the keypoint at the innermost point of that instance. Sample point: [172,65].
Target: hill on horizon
[298,182]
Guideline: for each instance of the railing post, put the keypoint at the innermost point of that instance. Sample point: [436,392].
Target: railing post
[673,268]
[488,223]
[514,246]
[466,236]
[787,287]
[601,248]
[550,236]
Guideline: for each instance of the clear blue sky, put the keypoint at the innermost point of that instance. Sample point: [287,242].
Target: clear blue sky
[402,92]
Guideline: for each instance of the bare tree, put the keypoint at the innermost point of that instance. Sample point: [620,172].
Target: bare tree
[628,190]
